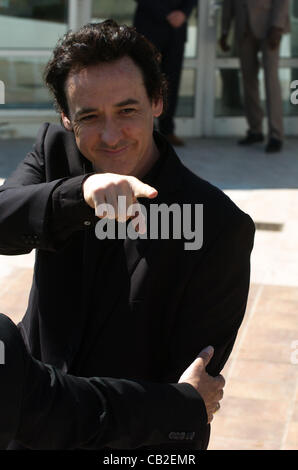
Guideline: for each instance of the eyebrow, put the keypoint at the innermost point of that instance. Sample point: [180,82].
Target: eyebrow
[127,102]
[84,111]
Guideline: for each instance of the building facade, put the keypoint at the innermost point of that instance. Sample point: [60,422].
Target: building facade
[210,100]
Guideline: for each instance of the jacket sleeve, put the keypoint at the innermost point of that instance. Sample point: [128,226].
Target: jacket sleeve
[35,213]
[43,408]
[280,12]
[227,16]
[156,10]
[214,302]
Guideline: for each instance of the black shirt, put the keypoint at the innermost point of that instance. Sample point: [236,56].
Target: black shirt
[125,324]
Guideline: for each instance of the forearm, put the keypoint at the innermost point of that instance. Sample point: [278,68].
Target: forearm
[65,412]
[24,217]
[42,215]
[226,17]
[69,212]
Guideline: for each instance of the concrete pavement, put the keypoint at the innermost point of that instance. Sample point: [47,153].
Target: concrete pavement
[260,406]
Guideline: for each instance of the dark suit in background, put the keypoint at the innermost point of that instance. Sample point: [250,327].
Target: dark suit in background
[151,20]
[254,20]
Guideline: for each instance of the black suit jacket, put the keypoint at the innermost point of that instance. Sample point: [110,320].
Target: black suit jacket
[44,408]
[159,10]
[180,301]
[150,20]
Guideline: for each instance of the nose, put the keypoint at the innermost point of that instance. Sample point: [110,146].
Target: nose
[110,133]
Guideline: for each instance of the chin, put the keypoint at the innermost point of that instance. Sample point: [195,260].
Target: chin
[120,170]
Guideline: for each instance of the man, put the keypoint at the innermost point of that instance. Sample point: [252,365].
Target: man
[165,24]
[35,398]
[259,25]
[128,308]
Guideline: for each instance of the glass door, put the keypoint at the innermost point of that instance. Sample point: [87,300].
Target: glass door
[211,98]
[223,106]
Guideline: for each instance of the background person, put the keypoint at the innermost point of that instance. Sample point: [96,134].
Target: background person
[259,25]
[165,25]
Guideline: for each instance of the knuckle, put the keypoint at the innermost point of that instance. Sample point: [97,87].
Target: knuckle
[111,185]
[97,192]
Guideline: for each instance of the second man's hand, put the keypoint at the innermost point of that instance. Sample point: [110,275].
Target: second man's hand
[210,388]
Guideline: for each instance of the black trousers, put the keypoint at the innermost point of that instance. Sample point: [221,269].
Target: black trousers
[170,42]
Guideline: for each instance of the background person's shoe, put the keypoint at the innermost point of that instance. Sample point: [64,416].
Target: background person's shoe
[251,138]
[174,140]
[273,145]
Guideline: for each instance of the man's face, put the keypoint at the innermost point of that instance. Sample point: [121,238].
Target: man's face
[112,117]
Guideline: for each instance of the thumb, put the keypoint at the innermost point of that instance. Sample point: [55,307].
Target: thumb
[206,354]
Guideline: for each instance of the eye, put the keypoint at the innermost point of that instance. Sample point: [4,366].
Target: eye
[88,118]
[127,110]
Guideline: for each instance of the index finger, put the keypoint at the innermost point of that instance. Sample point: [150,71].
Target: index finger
[141,189]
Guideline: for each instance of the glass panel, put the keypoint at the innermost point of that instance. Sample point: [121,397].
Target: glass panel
[32,24]
[123,11]
[192,34]
[229,93]
[24,86]
[186,100]
[287,75]
[289,44]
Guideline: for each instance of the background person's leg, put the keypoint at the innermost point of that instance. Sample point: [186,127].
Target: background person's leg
[273,92]
[172,67]
[248,52]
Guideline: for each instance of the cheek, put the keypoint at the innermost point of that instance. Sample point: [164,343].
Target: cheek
[137,130]
[85,136]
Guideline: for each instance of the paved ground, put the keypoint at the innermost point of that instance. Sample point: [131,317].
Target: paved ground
[260,407]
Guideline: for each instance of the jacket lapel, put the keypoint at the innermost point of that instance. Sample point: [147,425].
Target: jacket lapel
[77,163]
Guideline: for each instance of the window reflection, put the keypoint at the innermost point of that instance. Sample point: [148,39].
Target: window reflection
[229,96]
[32,24]
[119,10]
[23,81]
[186,99]
[49,10]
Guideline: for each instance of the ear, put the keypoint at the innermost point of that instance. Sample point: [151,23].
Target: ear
[157,107]
[66,122]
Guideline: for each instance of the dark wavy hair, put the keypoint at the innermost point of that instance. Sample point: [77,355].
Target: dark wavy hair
[102,42]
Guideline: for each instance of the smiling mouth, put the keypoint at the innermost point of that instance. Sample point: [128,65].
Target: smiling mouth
[114,152]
